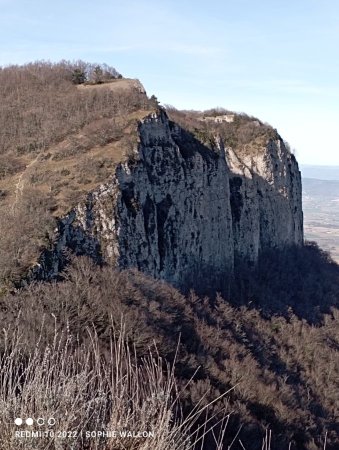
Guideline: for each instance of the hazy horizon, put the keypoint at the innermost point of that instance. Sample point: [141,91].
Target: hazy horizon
[320,172]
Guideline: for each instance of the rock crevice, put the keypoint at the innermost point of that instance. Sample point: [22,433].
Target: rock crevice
[183,212]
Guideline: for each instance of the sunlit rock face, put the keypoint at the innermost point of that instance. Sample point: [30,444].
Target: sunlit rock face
[265,200]
[182,212]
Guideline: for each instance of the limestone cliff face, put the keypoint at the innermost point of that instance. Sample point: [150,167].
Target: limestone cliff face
[265,200]
[182,212]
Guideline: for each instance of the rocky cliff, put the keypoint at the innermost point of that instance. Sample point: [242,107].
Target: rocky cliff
[184,212]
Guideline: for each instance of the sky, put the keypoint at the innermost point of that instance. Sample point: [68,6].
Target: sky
[273,59]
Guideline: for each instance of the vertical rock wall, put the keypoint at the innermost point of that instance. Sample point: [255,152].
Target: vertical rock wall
[182,212]
[265,200]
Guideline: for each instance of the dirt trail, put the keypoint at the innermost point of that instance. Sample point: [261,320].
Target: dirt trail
[19,186]
[115,85]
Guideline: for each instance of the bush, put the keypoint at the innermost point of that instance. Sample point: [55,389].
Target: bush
[284,368]
[25,228]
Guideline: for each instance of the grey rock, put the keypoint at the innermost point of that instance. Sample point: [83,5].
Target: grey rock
[182,212]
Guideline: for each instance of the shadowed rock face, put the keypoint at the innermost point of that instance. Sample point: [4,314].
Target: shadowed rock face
[182,212]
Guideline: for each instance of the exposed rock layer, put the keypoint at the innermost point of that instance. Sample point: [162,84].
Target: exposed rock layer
[182,212]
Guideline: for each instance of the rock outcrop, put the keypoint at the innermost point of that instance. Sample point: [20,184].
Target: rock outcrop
[183,212]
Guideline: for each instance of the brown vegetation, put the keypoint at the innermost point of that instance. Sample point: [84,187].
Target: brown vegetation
[58,141]
[275,339]
[26,228]
[243,133]
[85,390]
[283,367]
[41,107]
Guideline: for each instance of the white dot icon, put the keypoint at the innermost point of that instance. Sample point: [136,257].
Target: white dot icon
[29,421]
[51,421]
[18,421]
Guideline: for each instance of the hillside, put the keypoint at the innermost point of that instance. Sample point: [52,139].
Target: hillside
[274,343]
[62,140]
[181,231]
[99,150]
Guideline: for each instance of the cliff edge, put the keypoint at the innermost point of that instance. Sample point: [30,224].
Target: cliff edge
[185,211]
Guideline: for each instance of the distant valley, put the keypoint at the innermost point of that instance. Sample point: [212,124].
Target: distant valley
[321,206]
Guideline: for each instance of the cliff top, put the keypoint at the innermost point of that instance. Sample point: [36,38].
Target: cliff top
[63,137]
[115,85]
[243,133]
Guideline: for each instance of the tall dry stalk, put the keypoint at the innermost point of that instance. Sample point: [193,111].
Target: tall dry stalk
[86,391]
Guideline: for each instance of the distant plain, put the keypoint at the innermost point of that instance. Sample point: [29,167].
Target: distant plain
[321,207]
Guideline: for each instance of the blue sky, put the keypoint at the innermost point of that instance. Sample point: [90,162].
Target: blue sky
[277,60]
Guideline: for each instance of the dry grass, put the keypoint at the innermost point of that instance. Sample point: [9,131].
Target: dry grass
[61,142]
[78,164]
[284,367]
[86,390]
[113,85]
[54,128]
[245,134]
